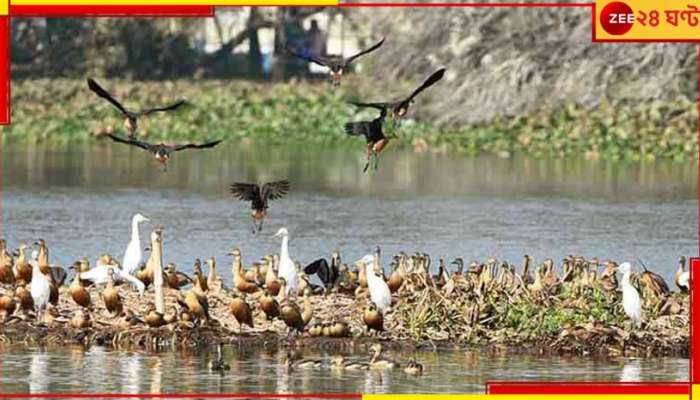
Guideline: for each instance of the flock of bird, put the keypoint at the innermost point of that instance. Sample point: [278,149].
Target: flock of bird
[372,130]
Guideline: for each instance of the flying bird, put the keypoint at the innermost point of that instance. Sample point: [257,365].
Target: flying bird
[259,196]
[399,108]
[336,65]
[161,151]
[131,121]
[373,133]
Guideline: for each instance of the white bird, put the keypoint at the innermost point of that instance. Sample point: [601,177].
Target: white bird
[378,289]
[99,276]
[133,253]
[287,269]
[40,288]
[631,302]
[682,276]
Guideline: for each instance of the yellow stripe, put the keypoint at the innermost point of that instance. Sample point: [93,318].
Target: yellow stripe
[174,2]
[4,7]
[523,396]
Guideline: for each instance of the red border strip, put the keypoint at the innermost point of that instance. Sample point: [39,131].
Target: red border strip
[81,11]
[507,387]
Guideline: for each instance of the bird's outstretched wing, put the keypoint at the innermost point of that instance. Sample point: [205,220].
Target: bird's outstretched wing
[315,266]
[245,191]
[377,105]
[361,128]
[195,145]
[132,142]
[163,109]
[275,190]
[432,79]
[318,60]
[363,52]
[95,87]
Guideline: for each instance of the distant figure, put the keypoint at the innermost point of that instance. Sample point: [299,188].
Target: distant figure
[315,40]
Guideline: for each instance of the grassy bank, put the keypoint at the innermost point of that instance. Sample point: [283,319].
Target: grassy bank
[65,111]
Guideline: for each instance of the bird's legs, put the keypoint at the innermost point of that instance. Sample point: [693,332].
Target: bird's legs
[376,161]
[255,227]
[370,151]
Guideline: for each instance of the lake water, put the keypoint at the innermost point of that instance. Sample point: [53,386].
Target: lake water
[81,198]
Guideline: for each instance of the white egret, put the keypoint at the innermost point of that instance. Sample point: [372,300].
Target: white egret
[99,275]
[378,289]
[287,269]
[40,288]
[631,301]
[133,253]
[682,276]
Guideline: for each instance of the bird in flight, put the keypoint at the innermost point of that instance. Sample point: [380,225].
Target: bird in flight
[336,65]
[373,133]
[259,196]
[131,116]
[399,108]
[161,151]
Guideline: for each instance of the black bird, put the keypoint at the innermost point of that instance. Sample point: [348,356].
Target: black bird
[328,274]
[161,151]
[131,121]
[373,133]
[399,108]
[335,65]
[259,197]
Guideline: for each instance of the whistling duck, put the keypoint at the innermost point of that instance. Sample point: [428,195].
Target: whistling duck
[272,284]
[7,274]
[400,108]
[174,278]
[442,276]
[339,329]
[8,305]
[78,292]
[373,318]
[110,295]
[55,275]
[241,310]
[377,362]
[397,275]
[378,290]
[269,305]
[127,320]
[653,282]
[631,301]
[293,361]
[80,320]
[218,365]
[287,270]
[200,282]
[339,362]
[26,301]
[161,151]
[239,279]
[328,274]
[374,135]
[196,304]
[171,317]
[40,289]
[213,279]
[259,197]
[133,253]
[413,367]
[682,276]
[526,276]
[22,269]
[153,318]
[289,311]
[336,65]
[131,117]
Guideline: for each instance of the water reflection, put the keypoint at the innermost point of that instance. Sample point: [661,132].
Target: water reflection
[101,370]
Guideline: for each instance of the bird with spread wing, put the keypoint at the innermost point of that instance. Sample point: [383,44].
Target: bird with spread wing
[259,197]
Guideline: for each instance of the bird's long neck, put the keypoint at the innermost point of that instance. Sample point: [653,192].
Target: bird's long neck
[284,251]
[626,279]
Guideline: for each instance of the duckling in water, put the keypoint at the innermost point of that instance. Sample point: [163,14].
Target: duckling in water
[241,310]
[294,361]
[219,365]
[373,318]
[377,362]
[413,368]
[110,295]
[339,362]
[269,305]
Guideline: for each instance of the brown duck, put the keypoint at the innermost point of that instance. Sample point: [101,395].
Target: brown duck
[241,310]
[110,295]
